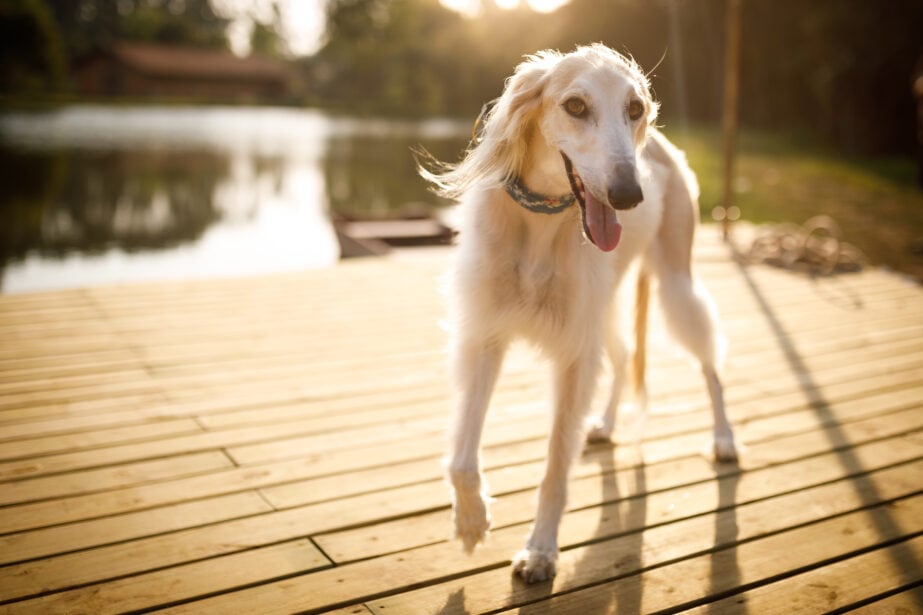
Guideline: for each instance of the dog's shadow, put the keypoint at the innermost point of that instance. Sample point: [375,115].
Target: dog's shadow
[619,552]
[725,574]
[624,519]
[455,603]
[624,554]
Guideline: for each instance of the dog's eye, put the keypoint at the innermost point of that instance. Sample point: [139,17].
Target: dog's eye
[635,109]
[575,107]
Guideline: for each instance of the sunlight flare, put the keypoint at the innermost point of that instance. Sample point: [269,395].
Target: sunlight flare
[475,8]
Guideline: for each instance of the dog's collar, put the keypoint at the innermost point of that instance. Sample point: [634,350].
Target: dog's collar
[534,202]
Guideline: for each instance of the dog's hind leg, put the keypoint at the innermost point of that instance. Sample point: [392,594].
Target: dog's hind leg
[691,319]
[477,365]
[601,427]
[724,447]
[573,391]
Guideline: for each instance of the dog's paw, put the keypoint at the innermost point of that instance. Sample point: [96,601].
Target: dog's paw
[470,504]
[598,431]
[535,566]
[472,521]
[724,449]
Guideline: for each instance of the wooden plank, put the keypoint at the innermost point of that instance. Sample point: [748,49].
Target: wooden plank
[333,418]
[161,551]
[688,581]
[102,419]
[85,422]
[24,369]
[151,430]
[852,375]
[72,347]
[438,380]
[61,462]
[663,486]
[418,229]
[128,526]
[695,574]
[28,516]
[89,392]
[824,353]
[188,355]
[13,389]
[357,609]
[68,407]
[116,500]
[362,581]
[498,459]
[181,582]
[340,425]
[834,586]
[428,434]
[89,481]
[903,603]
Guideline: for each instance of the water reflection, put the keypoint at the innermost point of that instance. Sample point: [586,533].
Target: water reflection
[100,195]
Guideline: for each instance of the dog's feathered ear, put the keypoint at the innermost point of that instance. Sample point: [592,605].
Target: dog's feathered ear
[506,129]
[499,143]
[524,89]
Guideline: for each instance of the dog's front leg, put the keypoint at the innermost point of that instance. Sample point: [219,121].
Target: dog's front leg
[476,365]
[574,390]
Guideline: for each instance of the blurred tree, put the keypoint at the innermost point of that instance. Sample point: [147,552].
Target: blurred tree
[838,69]
[841,69]
[89,24]
[190,22]
[31,51]
[386,55]
[265,40]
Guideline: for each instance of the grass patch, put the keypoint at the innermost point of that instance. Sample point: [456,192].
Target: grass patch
[779,179]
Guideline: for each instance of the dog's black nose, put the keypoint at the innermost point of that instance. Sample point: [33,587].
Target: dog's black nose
[625,191]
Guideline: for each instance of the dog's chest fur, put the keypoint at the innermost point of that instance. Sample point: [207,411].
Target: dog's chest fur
[543,276]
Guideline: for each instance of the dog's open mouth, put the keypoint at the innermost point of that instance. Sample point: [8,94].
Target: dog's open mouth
[600,221]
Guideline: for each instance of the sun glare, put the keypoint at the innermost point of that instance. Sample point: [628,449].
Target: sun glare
[546,6]
[473,8]
[507,4]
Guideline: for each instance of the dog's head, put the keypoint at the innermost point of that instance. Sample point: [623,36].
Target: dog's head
[594,106]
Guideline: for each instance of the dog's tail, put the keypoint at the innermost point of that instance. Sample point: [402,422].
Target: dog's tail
[639,362]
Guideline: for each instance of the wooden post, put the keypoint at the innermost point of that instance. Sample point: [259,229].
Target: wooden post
[731,77]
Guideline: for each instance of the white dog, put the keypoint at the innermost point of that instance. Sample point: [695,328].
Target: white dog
[568,186]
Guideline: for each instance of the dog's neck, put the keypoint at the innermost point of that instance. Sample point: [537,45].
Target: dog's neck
[543,171]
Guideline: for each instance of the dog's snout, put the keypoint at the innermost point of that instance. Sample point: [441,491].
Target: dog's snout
[624,190]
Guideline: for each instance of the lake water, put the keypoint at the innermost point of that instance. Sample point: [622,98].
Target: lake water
[99,195]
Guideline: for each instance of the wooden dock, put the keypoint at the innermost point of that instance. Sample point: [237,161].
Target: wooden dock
[273,445]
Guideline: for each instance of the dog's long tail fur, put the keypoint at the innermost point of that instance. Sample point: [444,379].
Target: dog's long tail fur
[639,362]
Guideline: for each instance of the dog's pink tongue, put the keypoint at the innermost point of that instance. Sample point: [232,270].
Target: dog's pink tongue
[603,224]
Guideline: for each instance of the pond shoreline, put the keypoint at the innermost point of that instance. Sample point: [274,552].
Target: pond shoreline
[112,194]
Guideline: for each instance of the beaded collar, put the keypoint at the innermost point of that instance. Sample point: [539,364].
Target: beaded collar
[538,203]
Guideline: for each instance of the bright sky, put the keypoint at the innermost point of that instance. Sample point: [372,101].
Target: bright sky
[473,7]
[303,20]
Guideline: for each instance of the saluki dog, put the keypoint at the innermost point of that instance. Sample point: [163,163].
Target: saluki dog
[567,190]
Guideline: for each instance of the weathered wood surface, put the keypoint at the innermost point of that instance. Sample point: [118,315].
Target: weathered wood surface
[273,445]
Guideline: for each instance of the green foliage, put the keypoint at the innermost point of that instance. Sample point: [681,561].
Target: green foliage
[781,178]
[195,25]
[839,69]
[265,41]
[31,53]
[416,56]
